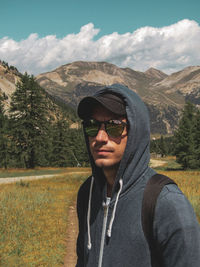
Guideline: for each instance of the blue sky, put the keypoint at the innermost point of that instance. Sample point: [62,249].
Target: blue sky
[66,19]
[20,18]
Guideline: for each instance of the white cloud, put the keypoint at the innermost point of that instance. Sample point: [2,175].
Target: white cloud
[169,48]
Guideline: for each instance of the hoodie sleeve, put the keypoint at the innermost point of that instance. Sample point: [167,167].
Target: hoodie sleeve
[177,229]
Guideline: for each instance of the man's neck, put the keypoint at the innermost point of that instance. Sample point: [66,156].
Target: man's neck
[110,174]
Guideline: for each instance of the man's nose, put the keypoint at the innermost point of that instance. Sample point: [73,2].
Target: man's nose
[102,136]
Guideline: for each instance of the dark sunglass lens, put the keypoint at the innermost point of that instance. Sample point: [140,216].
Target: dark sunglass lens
[91,131]
[91,128]
[114,130]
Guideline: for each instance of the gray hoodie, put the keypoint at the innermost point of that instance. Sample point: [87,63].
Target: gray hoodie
[110,233]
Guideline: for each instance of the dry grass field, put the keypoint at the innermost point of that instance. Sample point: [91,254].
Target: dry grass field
[33,220]
[189,183]
[34,216]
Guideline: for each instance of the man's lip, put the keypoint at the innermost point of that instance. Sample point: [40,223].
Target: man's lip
[102,150]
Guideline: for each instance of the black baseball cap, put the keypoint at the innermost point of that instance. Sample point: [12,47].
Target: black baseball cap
[111,101]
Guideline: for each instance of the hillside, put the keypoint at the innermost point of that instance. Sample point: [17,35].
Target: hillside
[164,95]
[9,77]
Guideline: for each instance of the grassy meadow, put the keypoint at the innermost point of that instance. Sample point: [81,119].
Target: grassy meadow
[34,215]
[33,220]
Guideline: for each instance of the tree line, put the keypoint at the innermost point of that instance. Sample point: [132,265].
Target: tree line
[185,143]
[34,133]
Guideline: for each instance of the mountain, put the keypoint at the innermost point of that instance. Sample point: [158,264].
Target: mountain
[164,95]
[185,83]
[10,76]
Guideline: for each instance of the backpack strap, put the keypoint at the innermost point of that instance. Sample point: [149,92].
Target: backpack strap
[151,193]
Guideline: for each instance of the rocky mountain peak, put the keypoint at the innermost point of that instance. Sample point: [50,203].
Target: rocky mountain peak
[157,74]
[186,81]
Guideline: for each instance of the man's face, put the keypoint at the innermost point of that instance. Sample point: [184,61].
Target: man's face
[107,151]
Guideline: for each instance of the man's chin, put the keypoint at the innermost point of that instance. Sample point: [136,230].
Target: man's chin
[103,163]
[106,164]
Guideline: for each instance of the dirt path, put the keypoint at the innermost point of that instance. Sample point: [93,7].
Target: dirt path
[157,163]
[72,232]
[8,180]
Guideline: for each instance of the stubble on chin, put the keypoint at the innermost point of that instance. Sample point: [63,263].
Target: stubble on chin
[107,166]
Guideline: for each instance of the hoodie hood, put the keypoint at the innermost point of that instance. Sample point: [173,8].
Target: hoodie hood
[136,156]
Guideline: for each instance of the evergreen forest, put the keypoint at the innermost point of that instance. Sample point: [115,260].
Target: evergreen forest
[34,132]
[185,143]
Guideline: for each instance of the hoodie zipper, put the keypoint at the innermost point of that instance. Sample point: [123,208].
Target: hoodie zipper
[103,234]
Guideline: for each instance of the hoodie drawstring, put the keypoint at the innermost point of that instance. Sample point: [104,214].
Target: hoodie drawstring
[88,214]
[109,232]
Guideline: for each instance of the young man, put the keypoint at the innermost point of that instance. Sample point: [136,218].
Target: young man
[109,204]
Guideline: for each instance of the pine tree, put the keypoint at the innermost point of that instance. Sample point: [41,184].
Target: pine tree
[163,148]
[29,123]
[185,138]
[159,146]
[154,146]
[60,149]
[78,148]
[68,145]
[197,138]
[3,137]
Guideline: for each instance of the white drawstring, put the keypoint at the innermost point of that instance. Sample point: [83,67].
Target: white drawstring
[114,209]
[88,214]
[113,213]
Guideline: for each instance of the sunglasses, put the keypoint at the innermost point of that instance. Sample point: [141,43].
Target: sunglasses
[114,128]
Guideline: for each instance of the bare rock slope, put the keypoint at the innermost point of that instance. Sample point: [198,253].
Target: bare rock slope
[164,95]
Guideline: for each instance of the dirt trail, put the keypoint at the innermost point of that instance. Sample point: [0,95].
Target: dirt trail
[157,163]
[8,180]
[72,232]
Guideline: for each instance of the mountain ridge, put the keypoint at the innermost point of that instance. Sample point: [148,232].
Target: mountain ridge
[164,95]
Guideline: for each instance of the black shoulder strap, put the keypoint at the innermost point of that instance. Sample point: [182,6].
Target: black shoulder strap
[151,193]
